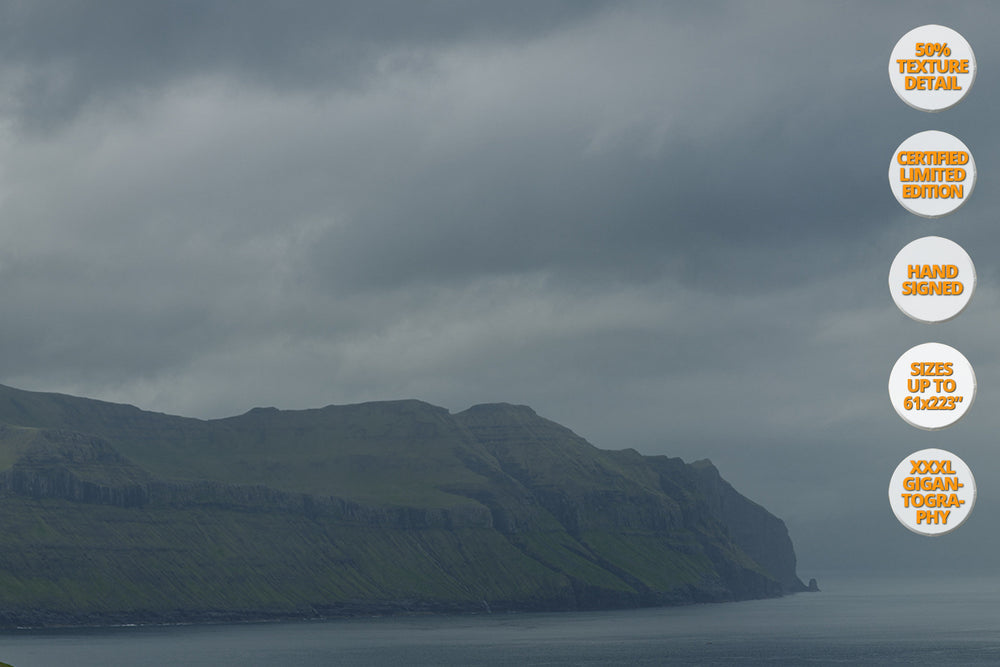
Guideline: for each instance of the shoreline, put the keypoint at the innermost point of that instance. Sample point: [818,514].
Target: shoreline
[62,621]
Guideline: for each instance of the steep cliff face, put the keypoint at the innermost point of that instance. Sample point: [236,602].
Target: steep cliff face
[355,509]
[752,528]
[628,494]
[72,466]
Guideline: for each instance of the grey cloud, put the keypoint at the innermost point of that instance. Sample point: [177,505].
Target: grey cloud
[65,55]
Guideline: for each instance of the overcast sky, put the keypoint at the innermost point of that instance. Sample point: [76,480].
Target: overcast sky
[665,228]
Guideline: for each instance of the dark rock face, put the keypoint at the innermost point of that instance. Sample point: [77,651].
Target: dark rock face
[753,529]
[606,490]
[76,467]
[374,508]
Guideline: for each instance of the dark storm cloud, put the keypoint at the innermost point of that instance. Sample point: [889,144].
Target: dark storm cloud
[606,153]
[65,55]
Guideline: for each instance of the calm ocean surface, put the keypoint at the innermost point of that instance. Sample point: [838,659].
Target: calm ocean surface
[851,622]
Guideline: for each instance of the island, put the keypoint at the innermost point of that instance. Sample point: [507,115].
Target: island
[111,515]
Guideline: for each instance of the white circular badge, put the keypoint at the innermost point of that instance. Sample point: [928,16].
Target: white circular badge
[932,173]
[932,68]
[932,492]
[932,386]
[932,279]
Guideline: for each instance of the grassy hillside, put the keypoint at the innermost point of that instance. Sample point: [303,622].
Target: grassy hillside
[112,513]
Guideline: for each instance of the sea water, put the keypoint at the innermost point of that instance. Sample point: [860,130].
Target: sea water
[851,622]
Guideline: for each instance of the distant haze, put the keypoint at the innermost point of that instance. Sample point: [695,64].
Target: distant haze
[666,228]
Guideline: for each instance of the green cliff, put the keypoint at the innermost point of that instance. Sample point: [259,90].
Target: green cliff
[112,514]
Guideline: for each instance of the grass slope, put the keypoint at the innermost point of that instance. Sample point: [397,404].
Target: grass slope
[111,513]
